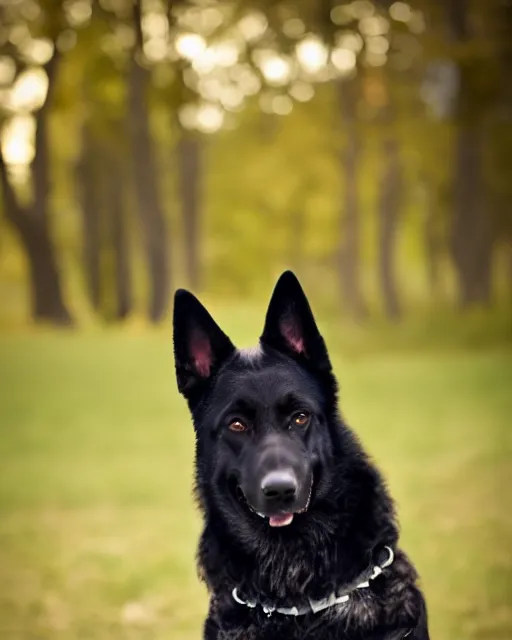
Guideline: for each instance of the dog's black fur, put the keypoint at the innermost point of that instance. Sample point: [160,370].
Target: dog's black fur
[273,413]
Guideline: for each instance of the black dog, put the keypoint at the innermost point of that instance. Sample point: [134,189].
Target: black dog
[300,536]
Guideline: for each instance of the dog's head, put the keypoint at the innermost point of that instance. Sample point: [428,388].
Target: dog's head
[261,416]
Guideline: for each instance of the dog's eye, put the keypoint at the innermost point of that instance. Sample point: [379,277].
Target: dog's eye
[301,419]
[237,425]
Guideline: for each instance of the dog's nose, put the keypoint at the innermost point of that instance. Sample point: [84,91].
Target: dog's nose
[279,484]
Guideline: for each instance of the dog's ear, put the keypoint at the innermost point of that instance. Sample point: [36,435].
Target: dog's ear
[290,326]
[200,345]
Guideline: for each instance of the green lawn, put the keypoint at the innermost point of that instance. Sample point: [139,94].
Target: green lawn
[97,524]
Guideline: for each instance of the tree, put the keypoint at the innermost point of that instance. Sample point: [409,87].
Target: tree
[31,221]
[115,167]
[350,214]
[87,178]
[103,173]
[101,177]
[145,175]
[472,233]
[390,193]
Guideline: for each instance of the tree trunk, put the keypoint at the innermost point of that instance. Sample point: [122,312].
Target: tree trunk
[47,303]
[41,162]
[47,299]
[349,254]
[88,192]
[471,230]
[31,223]
[509,268]
[431,236]
[149,206]
[120,239]
[189,167]
[389,209]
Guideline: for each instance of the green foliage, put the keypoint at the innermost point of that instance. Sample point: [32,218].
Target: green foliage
[272,186]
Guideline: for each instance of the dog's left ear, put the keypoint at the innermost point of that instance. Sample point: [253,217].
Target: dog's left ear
[200,345]
[290,326]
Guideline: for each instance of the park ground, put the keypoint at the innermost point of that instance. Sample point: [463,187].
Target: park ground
[97,523]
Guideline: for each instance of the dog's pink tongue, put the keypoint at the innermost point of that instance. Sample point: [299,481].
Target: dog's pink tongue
[281,520]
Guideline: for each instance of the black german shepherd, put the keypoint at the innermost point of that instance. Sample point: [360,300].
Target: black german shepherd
[300,535]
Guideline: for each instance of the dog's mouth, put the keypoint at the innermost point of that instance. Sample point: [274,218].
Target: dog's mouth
[282,519]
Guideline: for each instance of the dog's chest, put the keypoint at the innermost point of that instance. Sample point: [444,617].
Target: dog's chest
[347,621]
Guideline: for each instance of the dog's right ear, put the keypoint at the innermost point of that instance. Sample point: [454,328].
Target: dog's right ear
[290,326]
[200,345]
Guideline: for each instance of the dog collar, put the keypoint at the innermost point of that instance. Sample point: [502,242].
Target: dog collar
[314,606]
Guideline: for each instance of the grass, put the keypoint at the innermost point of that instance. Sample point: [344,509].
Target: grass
[98,528]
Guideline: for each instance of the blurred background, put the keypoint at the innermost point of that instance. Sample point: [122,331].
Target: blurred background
[146,145]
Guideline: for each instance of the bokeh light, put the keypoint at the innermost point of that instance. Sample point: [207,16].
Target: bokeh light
[312,54]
